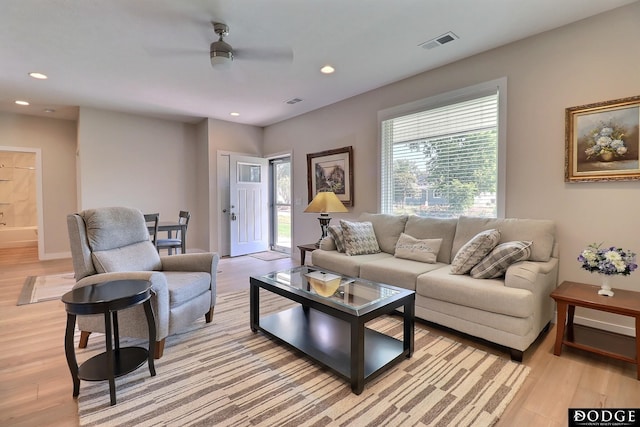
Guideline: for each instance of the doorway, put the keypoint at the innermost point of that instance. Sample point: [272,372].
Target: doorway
[20,197]
[280,196]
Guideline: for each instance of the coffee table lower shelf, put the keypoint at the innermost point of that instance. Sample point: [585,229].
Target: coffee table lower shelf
[327,340]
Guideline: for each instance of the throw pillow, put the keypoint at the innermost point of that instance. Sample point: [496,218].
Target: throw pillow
[359,238]
[502,256]
[335,231]
[424,250]
[474,250]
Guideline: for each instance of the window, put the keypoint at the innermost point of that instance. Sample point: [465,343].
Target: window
[249,173]
[443,156]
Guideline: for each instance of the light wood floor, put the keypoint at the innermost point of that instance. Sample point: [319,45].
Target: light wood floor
[35,384]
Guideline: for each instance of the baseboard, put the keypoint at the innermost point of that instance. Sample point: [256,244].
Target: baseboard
[605,326]
[54,255]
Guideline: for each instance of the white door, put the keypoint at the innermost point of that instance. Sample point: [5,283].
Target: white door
[248,205]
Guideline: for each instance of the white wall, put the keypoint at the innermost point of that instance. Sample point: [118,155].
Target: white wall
[590,61]
[57,141]
[135,161]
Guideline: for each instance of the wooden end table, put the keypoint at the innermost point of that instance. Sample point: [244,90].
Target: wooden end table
[107,298]
[570,295]
[310,247]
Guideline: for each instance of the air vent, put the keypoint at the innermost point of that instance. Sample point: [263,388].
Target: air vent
[439,41]
[293,101]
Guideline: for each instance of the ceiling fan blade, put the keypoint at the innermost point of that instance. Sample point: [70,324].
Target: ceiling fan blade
[264,54]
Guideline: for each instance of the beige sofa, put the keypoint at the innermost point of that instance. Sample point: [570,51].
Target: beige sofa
[511,310]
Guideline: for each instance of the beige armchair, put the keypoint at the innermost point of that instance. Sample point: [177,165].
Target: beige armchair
[113,244]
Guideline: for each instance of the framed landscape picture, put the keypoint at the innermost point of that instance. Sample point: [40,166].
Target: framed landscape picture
[331,170]
[602,141]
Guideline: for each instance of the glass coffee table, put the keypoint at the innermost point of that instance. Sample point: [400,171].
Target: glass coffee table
[328,323]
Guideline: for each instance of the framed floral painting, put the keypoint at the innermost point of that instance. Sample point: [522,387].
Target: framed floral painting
[602,141]
[331,170]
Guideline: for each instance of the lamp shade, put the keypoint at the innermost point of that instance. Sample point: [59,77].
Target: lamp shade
[325,202]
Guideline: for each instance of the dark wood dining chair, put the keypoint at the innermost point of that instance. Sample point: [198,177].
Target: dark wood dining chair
[179,241]
[152,226]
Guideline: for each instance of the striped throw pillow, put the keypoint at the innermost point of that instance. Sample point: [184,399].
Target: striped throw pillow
[474,250]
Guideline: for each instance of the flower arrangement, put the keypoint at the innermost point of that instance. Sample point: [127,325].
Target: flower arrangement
[607,139]
[609,261]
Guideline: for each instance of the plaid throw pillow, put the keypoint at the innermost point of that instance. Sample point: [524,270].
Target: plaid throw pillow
[335,231]
[359,238]
[501,257]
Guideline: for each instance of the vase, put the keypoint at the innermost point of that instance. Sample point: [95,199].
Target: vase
[605,287]
[606,156]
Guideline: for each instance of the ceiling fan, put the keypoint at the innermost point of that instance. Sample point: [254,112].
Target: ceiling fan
[222,53]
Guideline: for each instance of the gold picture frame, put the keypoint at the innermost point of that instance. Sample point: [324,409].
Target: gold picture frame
[331,170]
[602,141]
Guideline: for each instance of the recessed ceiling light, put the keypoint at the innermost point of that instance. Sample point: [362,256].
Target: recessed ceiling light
[49,110]
[234,114]
[327,69]
[38,76]
[19,102]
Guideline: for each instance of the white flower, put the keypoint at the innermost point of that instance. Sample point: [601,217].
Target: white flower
[591,257]
[620,265]
[617,143]
[612,256]
[604,141]
[621,150]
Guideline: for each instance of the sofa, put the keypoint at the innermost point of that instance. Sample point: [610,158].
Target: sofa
[498,291]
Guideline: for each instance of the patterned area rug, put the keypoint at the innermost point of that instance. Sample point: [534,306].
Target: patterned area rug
[45,288]
[222,374]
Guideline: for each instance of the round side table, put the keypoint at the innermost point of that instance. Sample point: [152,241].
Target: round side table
[107,298]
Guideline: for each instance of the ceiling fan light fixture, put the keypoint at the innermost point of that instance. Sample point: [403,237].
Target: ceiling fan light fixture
[221,53]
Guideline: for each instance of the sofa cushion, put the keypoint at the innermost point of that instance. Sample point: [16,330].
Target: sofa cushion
[359,238]
[434,228]
[537,231]
[141,256]
[387,228]
[396,271]
[335,231]
[342,263]
[500,258]
[474,250]
[489,295]
[423,250]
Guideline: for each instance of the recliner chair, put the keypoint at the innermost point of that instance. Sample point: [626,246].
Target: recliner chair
[113,244]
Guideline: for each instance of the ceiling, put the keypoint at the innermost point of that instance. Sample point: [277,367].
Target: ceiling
[151,57]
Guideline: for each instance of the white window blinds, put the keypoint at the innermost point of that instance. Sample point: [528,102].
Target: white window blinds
[442,161]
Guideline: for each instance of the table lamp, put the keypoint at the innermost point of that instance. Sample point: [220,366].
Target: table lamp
[324,203]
